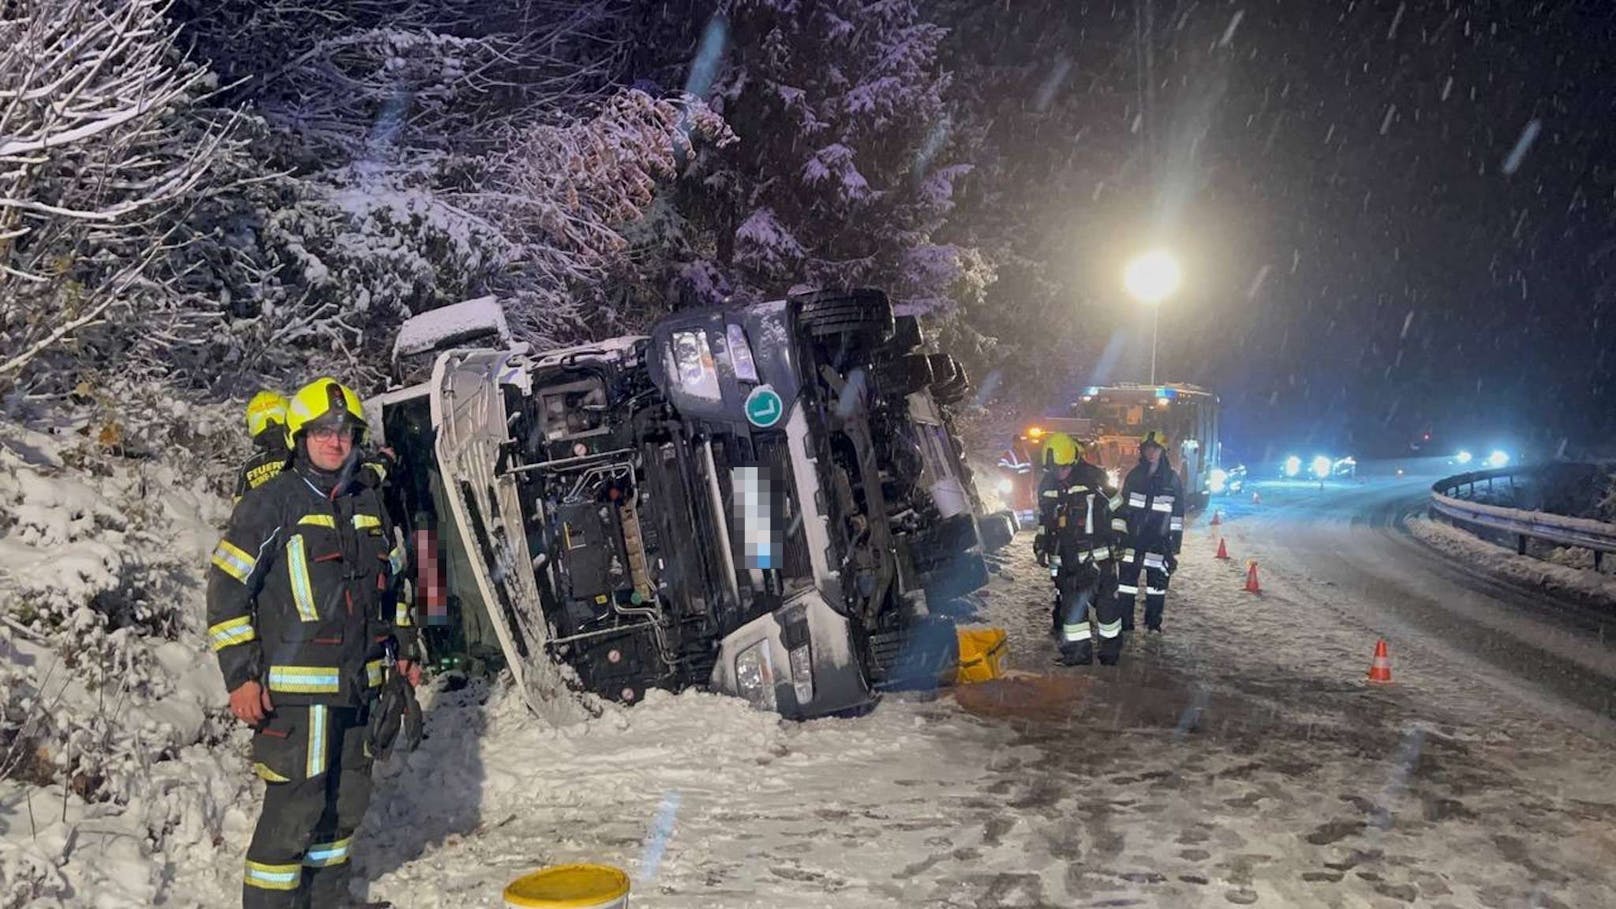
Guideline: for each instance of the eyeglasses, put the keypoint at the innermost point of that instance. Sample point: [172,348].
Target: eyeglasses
[330,433]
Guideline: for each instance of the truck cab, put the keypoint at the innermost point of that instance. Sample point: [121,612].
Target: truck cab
[717,503]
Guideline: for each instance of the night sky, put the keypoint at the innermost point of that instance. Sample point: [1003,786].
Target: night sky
[1393,216]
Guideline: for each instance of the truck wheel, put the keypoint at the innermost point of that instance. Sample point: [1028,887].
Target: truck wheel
[906,334]
[964,574]
[950,384]
[997,530]
[864,312]
[904,376]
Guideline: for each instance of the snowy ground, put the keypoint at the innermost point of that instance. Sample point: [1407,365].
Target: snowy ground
[1239,759]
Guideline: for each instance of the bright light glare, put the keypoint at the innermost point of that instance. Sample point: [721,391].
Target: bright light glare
[1113,476]
[1497,459]
[1293,466]
[1218,479]
[1005,486]
[1462,457]
[1321,467]
[1152,277]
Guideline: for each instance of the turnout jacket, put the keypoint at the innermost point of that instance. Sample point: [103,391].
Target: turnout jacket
[1152,514]
[302,591]
[269,459]
[1075,514]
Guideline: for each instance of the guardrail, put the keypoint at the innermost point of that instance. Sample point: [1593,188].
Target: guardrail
[1597,536]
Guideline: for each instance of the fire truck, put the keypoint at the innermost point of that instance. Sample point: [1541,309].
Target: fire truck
[1109,421]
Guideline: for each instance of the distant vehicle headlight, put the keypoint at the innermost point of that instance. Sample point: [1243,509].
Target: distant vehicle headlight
[1218,480]
[1321,467]
[1293,466]
[754,676]
[1497,459]
[1463,457]
[1004,486]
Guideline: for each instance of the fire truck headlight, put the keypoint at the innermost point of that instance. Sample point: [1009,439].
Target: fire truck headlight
[1004,486]
[1218,480]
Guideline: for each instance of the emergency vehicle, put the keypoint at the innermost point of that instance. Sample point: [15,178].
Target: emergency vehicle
[1109,420]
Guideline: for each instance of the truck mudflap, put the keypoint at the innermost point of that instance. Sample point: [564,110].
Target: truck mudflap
[799,660]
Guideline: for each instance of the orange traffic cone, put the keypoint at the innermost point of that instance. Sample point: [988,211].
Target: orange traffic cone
[1217,517]
[1223,550]
[1381,669]
[1251,577]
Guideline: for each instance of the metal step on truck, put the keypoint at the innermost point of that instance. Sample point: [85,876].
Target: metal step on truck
[767,500]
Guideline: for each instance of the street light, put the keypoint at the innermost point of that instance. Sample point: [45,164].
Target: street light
[1152,278]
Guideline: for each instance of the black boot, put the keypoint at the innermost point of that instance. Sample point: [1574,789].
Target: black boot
[1078,654]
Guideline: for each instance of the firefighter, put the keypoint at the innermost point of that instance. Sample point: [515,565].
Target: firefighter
[266,424]
[302,620]
[1152,523]
[1074,542]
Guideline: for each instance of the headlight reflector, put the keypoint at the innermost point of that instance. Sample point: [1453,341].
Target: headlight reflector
[754,676]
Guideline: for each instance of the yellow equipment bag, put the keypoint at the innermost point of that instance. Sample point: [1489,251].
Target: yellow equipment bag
[981,655]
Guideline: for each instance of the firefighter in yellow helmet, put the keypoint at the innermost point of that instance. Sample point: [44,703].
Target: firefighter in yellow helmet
[266,424]
[304,621]
[1074,541]
[1151,522]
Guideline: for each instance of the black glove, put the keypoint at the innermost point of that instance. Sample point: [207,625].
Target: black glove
[395,711]
[1039,554]
[1171,561]
[374,470]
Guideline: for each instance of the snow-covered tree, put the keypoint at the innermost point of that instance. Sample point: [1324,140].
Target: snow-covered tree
[438,151]
[103,159]
[846,163]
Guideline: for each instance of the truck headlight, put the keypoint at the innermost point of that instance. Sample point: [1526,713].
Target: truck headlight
[740,354]
[754,676]
[693,367]
[802,674]
[1218,480]
[1004,486]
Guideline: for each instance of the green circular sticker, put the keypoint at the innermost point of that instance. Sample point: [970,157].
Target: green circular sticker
[764,407]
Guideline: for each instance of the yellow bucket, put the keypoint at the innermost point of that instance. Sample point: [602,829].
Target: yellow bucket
[981,655]
[569,887]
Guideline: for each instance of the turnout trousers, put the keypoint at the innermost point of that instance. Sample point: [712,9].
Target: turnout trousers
[1085,597]
[313,760]
[1154,567]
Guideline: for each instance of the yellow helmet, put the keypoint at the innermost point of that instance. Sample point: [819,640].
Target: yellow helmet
[266,409]
[1154,437]
[1060,449]
[324,400]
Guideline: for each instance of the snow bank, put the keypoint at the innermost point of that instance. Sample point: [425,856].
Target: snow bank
[1550,575]
[109,699]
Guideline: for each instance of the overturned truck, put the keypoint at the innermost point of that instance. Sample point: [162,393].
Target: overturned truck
[764,499]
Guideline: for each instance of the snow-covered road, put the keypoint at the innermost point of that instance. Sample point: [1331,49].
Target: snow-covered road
[1238,759]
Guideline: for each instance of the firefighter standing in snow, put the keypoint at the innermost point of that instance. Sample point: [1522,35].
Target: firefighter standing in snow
[300,610]
[266,424]
[1074,541]
[1152,521]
